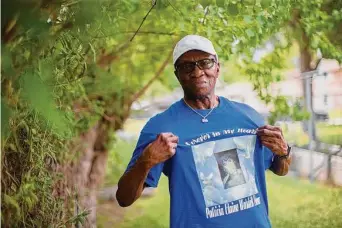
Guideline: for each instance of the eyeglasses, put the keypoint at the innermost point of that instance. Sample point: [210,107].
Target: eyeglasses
[188,67]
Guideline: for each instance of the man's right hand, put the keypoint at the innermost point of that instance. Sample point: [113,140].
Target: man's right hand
[131,184]
[160,150]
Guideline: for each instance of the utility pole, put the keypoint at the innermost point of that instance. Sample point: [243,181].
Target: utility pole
[309,107]
[308,76]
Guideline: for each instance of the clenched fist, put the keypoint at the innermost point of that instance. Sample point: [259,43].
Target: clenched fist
[160,150]
[272,137]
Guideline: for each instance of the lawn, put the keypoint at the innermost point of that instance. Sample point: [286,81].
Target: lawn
[328,134]
[298,203]
[155,210]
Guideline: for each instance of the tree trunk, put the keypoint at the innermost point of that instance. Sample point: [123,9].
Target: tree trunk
[87,173]
[305,59]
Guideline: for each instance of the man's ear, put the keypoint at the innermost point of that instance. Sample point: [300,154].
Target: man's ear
[218,69]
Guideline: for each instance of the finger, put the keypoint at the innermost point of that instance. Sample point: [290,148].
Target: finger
[173,138]
[266,132]
[270,127]
[268,138]
[162,136]
[172,148]
[166,134]
[268,145]
[173,151]
[173,145]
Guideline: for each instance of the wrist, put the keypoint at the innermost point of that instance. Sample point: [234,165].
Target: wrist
[287,154]
[146,159]
[145,163]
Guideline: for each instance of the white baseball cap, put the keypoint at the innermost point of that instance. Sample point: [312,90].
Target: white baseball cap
[193,42]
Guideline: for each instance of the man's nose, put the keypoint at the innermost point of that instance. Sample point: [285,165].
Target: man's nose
[197,72]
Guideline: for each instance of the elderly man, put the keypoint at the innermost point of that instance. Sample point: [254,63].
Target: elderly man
[188,141]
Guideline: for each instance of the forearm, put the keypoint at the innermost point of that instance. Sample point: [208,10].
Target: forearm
[131,184]
[280,166]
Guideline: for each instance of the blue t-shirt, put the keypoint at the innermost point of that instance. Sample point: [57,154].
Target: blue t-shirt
[217,176]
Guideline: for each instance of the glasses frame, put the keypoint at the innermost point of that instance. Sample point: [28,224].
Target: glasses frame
[196,63]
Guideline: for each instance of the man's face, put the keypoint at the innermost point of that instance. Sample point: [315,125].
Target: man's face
[198,82]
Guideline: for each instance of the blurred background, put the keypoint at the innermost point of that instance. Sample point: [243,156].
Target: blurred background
[80,78]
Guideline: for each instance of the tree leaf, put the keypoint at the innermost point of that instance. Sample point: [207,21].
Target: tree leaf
[40,98]
[11,202]
[5,117]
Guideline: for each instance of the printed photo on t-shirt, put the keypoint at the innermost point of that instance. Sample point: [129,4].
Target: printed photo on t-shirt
[225,169]
[230,169]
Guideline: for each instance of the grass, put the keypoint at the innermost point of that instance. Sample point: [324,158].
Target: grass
[118,159]
[121,152]
[297,203]
[155,210]
[335,113]
[325,133]
[329,134]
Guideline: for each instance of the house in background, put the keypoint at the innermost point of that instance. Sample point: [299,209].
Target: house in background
[326,86]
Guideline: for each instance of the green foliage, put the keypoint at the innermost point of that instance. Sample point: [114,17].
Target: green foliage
[117,162]
[280,24]
[68,64]
[5,114]
[79,218]
[231,72]
[30,152]
[37,94]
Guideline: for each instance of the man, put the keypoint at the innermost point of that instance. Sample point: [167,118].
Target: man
[188,141]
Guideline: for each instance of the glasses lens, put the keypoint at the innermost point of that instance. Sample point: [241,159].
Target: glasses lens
[206,63]
[186,67]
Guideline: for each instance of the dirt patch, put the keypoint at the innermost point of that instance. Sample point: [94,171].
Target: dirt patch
[110,214]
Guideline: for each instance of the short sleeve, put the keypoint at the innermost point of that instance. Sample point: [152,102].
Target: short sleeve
[154,174]
[268,157]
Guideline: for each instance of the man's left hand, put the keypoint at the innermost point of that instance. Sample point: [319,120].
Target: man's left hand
[272,137]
